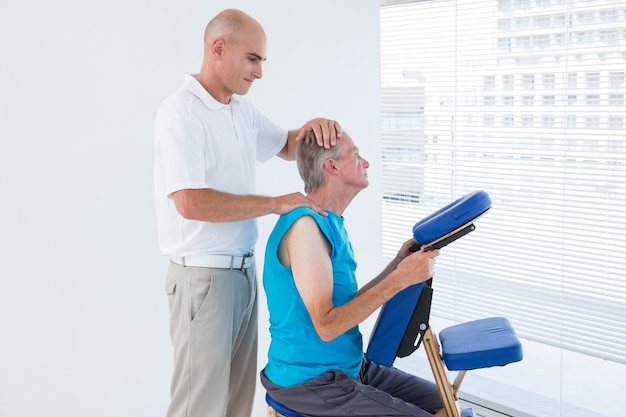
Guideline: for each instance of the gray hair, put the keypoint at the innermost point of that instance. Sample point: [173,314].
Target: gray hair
[310,158]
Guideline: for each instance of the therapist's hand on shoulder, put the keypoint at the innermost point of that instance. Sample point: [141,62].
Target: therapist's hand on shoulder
[288,202]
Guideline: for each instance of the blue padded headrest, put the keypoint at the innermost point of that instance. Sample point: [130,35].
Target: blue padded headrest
[451,217]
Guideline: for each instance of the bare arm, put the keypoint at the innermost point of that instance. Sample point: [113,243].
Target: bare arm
[215,206]
[307,252]
[326,132]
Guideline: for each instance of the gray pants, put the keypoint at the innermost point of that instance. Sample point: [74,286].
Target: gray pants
[379,391]
[213,326]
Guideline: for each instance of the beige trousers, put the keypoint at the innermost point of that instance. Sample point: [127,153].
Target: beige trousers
[214,328]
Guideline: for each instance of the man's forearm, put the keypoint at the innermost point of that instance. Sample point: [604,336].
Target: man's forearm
[218,207]
[341,319]
[288,152]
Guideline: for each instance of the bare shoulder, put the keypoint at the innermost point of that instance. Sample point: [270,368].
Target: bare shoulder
[304,237]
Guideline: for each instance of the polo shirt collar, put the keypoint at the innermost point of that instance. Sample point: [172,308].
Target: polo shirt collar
[194,87]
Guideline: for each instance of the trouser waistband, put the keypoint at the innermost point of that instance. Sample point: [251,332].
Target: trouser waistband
[215,261]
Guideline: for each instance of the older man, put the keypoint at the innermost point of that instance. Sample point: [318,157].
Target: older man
[316,363]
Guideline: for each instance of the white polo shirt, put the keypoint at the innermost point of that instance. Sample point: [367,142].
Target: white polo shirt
[202,143]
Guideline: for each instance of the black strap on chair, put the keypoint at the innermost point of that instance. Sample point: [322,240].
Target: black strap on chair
[418,324]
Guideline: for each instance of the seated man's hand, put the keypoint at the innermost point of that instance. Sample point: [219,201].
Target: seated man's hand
[406,248]
[418,267]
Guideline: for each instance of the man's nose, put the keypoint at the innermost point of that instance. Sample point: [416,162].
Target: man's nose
[258,72]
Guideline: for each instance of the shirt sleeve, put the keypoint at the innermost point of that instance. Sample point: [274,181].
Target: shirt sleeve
[271,138]
[181,144]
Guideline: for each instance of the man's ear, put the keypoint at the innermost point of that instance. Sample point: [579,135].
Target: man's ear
[217,47]
[330,166]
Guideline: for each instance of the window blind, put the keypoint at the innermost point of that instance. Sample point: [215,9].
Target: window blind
[523,99]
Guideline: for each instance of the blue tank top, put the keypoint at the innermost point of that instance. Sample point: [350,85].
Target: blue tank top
[296,352]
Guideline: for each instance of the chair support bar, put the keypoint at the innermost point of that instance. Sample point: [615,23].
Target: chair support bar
[431,346]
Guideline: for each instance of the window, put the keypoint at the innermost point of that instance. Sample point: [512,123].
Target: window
[571,121]
[616,99]
[543,22]
[542,41]
[508,82]
[572,78]
[523,23]
[524,42]
[547,121]
[558,20]
[586,18]
[504,43]
[591,122]
[558,39]
[593,80]
[504,25]
[550,255]
[528,120]
[616,79]
[616,122]
[592,99]
[489,83]
[528,81]
[608,36]
[549,81]
[609,16]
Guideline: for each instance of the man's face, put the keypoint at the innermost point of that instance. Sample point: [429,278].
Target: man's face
[242,61]
[352,165]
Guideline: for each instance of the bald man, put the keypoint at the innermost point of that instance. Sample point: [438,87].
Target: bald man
[208,137]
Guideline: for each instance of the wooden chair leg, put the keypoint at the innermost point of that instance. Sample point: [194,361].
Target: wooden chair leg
[456,385]
[450,407]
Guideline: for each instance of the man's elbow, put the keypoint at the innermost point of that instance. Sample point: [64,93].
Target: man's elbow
[286,154]
[187,211]
[187,207]
[326,334]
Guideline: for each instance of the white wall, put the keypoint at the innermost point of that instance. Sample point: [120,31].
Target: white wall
[83,314]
